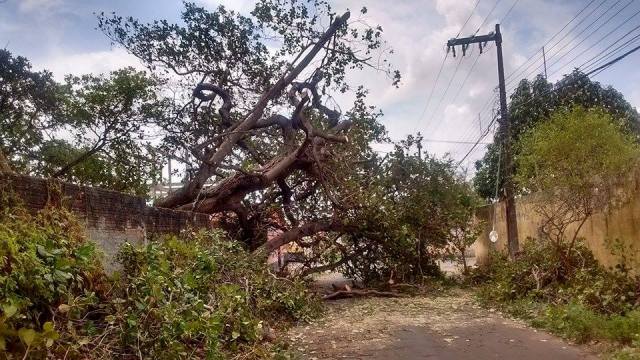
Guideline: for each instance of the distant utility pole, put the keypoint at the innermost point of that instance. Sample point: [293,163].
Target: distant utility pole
[512,223]
[544,61]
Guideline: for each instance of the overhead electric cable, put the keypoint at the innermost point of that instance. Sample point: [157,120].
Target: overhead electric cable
[508,11]
[487,17]
[602,67]
[551,39]
[563,37]
[469,17]
[591,61]
[431,92]
[595,43]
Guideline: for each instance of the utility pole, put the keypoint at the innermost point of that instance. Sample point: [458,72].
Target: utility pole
[512,223]
[544,61]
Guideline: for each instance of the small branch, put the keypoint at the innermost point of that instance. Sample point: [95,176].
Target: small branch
[341,294]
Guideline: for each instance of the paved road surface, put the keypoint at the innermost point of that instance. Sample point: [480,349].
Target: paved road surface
[443,327]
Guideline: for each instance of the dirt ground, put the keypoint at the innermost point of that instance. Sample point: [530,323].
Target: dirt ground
[449,326]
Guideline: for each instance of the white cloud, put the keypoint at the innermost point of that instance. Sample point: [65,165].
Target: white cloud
[91,62]
[38,5]
[417,30]
[238,5]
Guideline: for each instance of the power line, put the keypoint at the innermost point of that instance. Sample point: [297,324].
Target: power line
[551,39]
[441,67]
[597,42]
[602,67]
[593,72]
[455,71]
[431,92]
[558,33]
[509,11]
[568,43]
[516,71]
[487,17]
[468,18]
[479,140]
[591,60]
[453,142]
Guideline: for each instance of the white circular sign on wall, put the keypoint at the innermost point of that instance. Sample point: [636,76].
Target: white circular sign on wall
[493,236]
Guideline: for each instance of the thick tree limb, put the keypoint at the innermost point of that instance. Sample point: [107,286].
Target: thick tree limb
[225,109]
[301,231]
[215,158]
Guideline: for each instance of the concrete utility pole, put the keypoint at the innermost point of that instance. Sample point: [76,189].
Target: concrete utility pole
[512,223]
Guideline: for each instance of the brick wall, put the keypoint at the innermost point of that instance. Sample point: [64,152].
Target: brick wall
[111,218]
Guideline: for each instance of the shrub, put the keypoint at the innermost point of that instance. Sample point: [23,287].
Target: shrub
[45,265]
[584,304]
[199,292]
[194,295]
[578,322]
[540,275]
[571,162]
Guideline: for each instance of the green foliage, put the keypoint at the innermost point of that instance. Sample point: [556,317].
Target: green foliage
[109,117]
[201,294]
[196,295]
[577,151]
[575,321]
[29,105]
[105,119]
[587,304]
[572,162]
[411,207]
[540,274]
[128,170]
[534,102]
[45,262]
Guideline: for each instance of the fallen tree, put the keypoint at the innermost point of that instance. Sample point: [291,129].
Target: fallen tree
[267,150]
[258,140]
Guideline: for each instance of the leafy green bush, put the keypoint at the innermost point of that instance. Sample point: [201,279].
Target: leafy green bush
[194,295]
[540,275]
[583,302]
[45,263]
[578,322]
[200,292]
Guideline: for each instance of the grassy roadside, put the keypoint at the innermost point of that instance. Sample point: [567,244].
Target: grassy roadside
[586,304]
[616,337]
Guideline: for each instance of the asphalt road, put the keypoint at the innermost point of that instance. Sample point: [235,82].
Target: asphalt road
[447,326]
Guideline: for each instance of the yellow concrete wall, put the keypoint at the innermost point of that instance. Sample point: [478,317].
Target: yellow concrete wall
[621,223]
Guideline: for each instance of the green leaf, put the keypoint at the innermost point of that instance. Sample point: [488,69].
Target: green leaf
[27,335]
[9,310]
[48,327]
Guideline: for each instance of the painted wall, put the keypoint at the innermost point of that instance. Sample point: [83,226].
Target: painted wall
[621,223]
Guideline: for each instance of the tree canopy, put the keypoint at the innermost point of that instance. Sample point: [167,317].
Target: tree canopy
[535,101]
[90,129]
[250,119]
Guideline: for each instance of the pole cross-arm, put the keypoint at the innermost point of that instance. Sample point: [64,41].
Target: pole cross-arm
[465,42]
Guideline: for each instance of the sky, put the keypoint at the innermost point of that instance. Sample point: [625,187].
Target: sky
[61,36]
